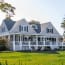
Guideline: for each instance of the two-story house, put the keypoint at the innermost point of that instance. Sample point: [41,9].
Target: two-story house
[23,35]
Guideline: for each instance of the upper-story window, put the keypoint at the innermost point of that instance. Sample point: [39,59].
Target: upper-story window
[49,30]
[23,28]
[26,28]
[20,28]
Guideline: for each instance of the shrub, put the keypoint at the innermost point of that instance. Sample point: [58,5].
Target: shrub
[3,44]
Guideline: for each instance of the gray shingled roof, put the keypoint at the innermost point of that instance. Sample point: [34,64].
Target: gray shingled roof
[37,24]
[9,23]
[39,28]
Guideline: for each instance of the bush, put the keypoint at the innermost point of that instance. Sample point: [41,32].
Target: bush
[2,44]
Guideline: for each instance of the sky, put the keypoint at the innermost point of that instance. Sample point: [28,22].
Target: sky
[40,10]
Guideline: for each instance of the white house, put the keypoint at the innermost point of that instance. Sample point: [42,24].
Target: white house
[23,35]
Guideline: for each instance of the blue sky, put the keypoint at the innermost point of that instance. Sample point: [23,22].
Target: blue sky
[41,10]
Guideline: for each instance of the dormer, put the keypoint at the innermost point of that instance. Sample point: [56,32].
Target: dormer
[36,26]
[23,28]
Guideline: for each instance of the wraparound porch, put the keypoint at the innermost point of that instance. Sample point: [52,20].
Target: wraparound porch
[31,42]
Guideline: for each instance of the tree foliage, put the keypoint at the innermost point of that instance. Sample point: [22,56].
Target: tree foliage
[3,41]
[63,24]
[7,8]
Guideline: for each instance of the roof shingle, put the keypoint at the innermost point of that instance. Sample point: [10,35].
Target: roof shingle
[9,23]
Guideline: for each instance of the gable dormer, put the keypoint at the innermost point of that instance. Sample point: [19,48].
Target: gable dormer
[23,27]
[36,26]
[48,29]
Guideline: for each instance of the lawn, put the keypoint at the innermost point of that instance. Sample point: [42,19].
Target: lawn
[32,58]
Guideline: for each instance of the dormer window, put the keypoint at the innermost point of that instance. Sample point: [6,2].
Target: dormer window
[23,28]
[49,30]
[20,28]
[26,28]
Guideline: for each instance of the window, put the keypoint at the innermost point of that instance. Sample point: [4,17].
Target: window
[49,30]
[51,39]
[20,28]
[17,37]
[26,28]
[39,39]
[23,28]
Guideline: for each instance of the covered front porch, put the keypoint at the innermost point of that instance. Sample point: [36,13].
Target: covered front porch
[32,42]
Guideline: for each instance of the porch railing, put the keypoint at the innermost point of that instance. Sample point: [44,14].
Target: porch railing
[34,43]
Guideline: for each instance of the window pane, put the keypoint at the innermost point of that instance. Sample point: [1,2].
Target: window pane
[17,37]
[20,28]
[49,30]
[25,28]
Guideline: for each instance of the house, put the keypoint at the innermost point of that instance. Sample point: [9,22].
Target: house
[23,35]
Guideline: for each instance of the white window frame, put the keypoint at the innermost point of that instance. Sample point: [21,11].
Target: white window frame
[23,26]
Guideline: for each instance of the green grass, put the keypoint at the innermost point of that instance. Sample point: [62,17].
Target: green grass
[33,58]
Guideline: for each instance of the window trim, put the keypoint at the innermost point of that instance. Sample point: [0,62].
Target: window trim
[49,30]
[24,28]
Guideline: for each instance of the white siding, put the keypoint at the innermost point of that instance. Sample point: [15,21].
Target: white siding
[50,26]
[3,25]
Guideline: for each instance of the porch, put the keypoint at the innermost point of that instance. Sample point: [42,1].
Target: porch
[32,42]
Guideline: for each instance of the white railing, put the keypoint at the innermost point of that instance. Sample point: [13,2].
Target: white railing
[33,43]
[25,43]
[40,43]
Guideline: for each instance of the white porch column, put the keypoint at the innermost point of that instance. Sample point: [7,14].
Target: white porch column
[51,45]
[56,41]
[14,42]
[62,45]
[44,41]
[8,45]
[29,45]
[57,46]
[36,42]
[20,43]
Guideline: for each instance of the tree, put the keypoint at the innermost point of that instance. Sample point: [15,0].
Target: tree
[3,44]
[7,8]
[63,26]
